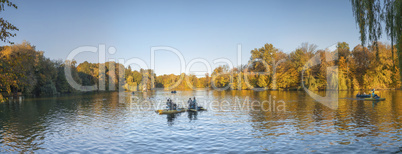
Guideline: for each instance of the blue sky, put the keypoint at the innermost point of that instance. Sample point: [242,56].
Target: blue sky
[198,29]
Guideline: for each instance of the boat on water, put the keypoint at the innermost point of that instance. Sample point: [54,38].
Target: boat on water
[370,97]
[172,108]
[363,95]
[199,108]
[374,99]
[167,111]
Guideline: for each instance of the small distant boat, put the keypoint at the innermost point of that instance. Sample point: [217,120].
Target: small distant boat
[173,92]
[363,95]
[374,99]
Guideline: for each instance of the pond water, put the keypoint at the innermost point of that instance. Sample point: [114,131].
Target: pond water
[236,121]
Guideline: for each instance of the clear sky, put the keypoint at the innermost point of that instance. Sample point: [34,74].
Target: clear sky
[198,29]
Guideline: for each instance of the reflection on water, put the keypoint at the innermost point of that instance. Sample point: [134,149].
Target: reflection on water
[192,116]
[171,117]
[109,122]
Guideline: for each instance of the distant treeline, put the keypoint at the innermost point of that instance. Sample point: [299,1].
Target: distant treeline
[25,70]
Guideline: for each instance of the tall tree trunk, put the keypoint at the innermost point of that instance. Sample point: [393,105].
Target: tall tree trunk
[400,60]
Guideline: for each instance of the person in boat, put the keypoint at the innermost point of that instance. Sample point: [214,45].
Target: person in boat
[169,104]
[174,105]
[373,95]
[190,103]
[363,94]
[194,103]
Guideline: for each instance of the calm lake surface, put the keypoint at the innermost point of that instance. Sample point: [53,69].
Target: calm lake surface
[127,123]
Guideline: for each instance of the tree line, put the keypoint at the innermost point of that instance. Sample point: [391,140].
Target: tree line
[271,69]
[25,70]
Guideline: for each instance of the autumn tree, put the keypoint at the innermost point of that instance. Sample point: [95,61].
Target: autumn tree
[370,15]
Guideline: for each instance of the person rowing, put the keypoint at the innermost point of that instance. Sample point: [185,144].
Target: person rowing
[190,103]
[170,105]
[373,95]
[195,103]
